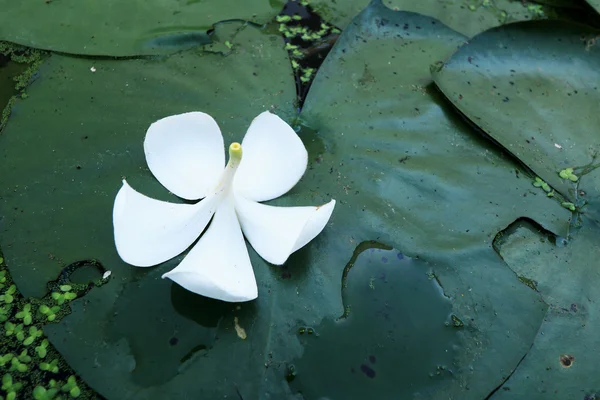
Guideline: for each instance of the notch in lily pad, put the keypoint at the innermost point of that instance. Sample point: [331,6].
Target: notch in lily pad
[568,173]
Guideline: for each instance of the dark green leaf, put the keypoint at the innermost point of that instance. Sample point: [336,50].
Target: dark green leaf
[533,87]
[63,155]
[467,17]
[122,28]
[567,278]
[397,334]
[410,174]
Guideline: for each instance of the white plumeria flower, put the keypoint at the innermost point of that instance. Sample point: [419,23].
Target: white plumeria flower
[185,154]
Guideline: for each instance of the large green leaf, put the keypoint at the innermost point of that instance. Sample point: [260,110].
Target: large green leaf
[122,28]
[561,360]
[384,289]
[408,171]
[533,87]
[468,17]
[61,171]
[88,133]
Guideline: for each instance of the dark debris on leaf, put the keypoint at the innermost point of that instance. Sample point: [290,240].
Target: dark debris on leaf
[368,371]
[308,40]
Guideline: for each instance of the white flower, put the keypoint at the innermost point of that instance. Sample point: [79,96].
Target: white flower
[185,154]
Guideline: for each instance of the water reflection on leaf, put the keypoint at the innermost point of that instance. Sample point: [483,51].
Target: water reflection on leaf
[394,338]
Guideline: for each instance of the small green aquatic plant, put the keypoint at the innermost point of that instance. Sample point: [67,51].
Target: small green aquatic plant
[25,315]
[8,295]
[538,182]
[71,387]
[41,393]
[568,173]
[64,295]
[51,366]
[34,333]
[42,349]
[49,313]
[10,387]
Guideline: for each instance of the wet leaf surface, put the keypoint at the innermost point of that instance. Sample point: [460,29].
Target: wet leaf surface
[123,28]
[517,84]
[428,185]
[412,348]
[560,362]
[86,136]
[467,17]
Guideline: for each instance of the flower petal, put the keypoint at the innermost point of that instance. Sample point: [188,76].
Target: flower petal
[274,159]
[277,232]
[149,231]
[185,153]
[218,266]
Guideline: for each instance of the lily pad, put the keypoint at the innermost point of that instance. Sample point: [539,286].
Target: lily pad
[81,163]
[467,17]
[123,28]
[427,185]
[517,84]
[17,66]
[386,289]
[57,203]
[566,275]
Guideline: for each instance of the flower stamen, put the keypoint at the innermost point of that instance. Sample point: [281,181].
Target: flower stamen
[235,152]
[235,156]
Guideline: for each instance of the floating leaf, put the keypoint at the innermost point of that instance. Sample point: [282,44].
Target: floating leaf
[567,280]
[122,28]
[517,84]
[468,17]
